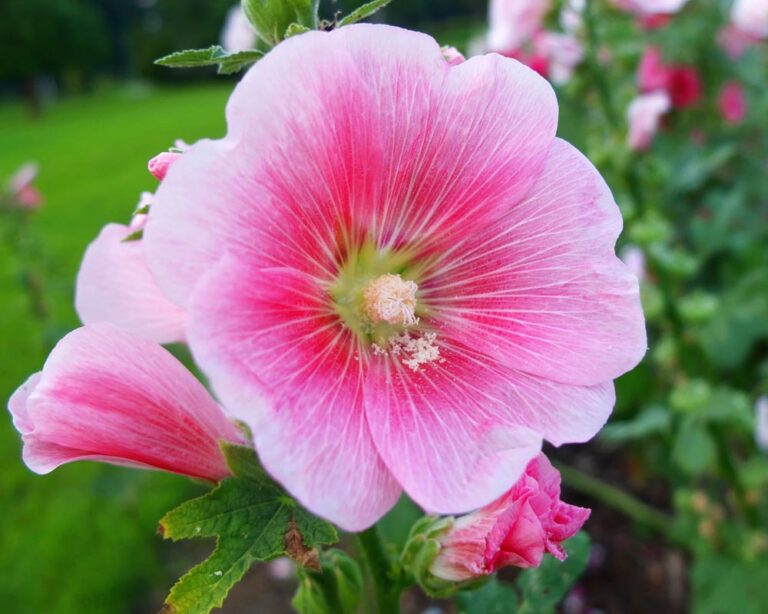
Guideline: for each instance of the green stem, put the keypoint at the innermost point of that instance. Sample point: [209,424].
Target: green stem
[619,500]
[728,468]
[380,569]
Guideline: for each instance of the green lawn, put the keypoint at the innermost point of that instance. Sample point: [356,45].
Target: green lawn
[83,538]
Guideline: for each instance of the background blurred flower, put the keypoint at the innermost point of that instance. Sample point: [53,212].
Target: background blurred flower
[761,423]
[515,530]
[751,17]
[237,34]
[732,102]
[680,82]
[643,115]
[650,7]
[513,22]
[20,187]
[106,395]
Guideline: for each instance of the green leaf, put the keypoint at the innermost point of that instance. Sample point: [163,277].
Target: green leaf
[694,451]
[493,597]
[134,236]
[651,421]
[273,18]
[295,29]
[723,584]
[546,586]
[363,12]
[214,55]
[252,520]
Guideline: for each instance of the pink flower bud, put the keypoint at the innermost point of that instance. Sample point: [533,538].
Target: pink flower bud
[731,102]
[108,396]
[160,164]
[515,530]
[20,185]
[453,56]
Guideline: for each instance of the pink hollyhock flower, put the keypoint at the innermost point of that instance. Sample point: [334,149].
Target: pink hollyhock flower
[513,22]
[682,83]
[106,395]
[23,193]
[751,17]
[732,103]
[515,530]
[114,285]
[397,287]
[650,7]
[643,115]
[237,34]
[160,164]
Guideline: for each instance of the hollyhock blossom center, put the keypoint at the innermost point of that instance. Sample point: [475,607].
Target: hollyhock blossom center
[391,299]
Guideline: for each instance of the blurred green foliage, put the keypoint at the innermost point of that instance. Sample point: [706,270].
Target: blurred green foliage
[83,538]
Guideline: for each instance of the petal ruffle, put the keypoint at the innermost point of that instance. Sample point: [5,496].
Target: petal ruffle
[115,286]
[282,362]
[543,291]
[459,432]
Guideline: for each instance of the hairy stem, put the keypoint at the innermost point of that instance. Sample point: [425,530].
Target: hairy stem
[380,569]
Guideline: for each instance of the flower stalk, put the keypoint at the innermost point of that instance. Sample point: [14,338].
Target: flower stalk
[380,567]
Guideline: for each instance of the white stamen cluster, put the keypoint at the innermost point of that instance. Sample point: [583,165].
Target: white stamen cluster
[413,351]
[391,299]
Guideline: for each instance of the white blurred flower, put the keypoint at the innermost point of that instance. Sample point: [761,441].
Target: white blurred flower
[761,423]
[237,35]
[634,258]
[751,16]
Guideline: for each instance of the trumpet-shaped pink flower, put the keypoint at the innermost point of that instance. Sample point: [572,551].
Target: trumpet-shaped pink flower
[515,530]
[513,22]
[395,286]
[106,395]
[114,285]
[732,103]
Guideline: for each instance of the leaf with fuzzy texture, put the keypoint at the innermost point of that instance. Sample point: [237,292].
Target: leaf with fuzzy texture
[252,520]
[215,55]
[363,12]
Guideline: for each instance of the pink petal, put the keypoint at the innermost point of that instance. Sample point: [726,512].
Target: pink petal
[106,395]
[459,432]
[280,362]
[364,131]
[543,291]
[114,285]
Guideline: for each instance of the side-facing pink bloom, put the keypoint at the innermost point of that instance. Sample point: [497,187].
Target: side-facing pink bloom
[732,103]
[114,285]
[650,7]
[680,82]
[751,17]
[106,395]
[515,530]
[160,164]
[21,188]
[237,33]
[643,116]
[397,287]
[513,22]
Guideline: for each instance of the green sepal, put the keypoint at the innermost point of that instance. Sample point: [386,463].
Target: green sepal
[215,55]
[363,12]
[295,29]
[336,588]
[273,18]
[134,236]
